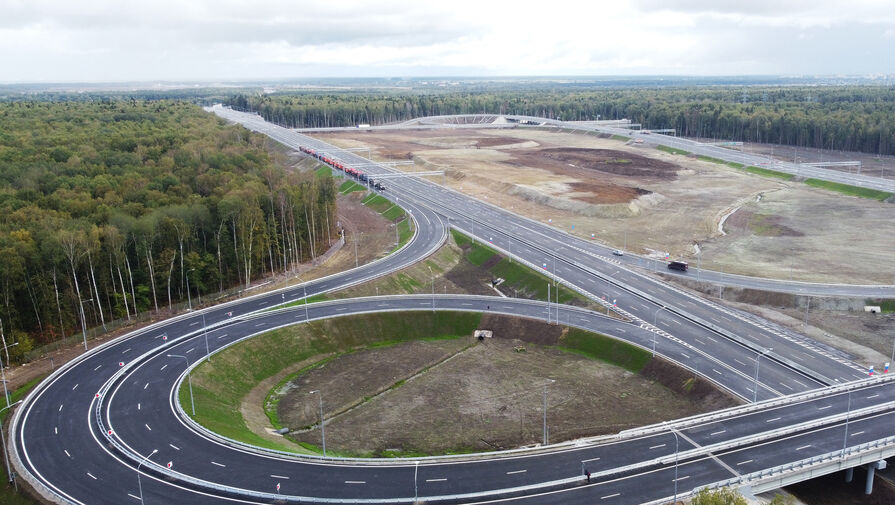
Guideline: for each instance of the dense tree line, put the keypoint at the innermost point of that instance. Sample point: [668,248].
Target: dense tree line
[125,203]
[851,118]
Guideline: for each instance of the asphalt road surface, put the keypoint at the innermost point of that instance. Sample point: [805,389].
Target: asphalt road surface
[62,433]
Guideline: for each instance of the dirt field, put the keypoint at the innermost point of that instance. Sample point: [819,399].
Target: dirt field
[482,396]
[647,201]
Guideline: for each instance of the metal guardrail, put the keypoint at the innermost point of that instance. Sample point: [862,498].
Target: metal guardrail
[762,405]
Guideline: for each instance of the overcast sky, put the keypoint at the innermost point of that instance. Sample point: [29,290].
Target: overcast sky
[101,41]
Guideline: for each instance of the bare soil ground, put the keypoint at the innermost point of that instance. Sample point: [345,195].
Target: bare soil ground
[653,201]
[488,396]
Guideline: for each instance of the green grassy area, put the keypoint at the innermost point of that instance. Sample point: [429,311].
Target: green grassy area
[220,385]
[319,297]
[377,202]
[887,306]
[8,494]
[720,161]
[607,349]
[404,233]
[620,137]
[672,150]
[324,171]
[847,189]
[516,276]
[350,187]
[393,213]
[769,173]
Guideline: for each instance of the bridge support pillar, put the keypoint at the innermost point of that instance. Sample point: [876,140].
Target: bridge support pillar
[871,471]
[849,475]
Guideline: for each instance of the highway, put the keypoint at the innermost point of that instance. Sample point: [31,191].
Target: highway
[88,427]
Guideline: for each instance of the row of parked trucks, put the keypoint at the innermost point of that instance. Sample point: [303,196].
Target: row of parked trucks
[353,172]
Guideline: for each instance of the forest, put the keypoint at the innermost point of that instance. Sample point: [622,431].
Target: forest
[117,206]
[848,118]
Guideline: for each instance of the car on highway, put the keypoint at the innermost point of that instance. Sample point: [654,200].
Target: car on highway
[618,252]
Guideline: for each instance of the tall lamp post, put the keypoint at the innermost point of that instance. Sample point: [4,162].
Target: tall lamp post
[3,440]
[322,420]
[2,370]
[189,378]
[205,331]
[676,452]
[655,320]
[139,483]
[755,390]
[847,416]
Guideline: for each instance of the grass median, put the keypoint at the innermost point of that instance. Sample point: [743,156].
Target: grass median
[847,189]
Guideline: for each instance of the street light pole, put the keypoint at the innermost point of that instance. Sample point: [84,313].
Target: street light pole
[140,484]
[676,452]
[548,302]
[83,323]
[3,440]
[847,416]
[2,370]
[305,288]
[655,320]
[189,378]
[416,469]
[755,390]
[322,420]
[205,331]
